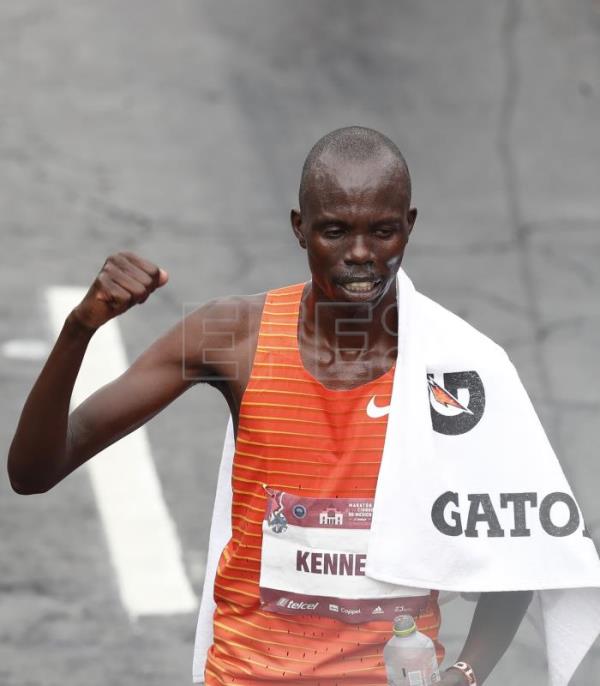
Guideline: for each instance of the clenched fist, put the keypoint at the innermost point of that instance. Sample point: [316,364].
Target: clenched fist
[124,280]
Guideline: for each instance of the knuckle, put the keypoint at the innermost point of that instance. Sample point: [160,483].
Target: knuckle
[120,261]
[109,265]
[101,284]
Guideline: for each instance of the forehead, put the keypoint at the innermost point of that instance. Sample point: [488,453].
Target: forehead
[372,185]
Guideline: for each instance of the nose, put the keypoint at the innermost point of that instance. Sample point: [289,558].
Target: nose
[359,251]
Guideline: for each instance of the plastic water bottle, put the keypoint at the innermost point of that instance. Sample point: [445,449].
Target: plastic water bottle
[410,656]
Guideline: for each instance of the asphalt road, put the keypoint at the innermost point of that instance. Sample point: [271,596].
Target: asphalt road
[177,130]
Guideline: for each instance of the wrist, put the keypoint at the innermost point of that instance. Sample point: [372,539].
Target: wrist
[465,673]
[78,328]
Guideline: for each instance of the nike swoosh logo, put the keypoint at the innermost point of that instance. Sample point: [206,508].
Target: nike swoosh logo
[375,411]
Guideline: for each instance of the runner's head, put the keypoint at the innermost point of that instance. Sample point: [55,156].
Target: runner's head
[355,215]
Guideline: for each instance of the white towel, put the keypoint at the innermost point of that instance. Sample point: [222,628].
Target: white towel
[220,533]
[488,508]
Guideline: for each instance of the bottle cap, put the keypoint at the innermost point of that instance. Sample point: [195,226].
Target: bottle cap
[404,625]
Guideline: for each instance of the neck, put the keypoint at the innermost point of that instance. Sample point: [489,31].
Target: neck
[355,328]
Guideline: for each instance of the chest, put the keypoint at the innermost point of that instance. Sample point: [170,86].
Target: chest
[300,437]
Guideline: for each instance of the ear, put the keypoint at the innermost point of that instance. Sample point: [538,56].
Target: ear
[296,221]
[411,218]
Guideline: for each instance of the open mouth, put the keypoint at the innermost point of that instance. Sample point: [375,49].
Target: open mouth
[366,286]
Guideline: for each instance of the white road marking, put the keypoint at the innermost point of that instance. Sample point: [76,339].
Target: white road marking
[141,535]
[25,349]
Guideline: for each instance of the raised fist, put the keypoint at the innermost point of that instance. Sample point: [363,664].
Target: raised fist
[124,280]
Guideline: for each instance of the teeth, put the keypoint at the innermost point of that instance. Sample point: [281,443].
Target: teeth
[360,286]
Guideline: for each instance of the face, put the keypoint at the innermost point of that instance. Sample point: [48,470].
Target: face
[355,225]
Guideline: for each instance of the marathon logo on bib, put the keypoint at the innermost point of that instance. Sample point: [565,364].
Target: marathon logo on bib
[314,553]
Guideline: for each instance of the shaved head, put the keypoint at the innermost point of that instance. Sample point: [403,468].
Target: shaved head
[352,145]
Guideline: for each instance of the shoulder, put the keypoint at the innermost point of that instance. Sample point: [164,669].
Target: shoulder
[232,311]
[231,314]
[218,331]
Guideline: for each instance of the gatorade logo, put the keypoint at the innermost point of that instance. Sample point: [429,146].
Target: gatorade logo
[457,401]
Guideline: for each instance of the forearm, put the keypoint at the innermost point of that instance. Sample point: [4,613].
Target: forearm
[495,622]
[38,449]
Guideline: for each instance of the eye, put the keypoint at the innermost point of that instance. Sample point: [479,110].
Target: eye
[385,231]
[333,232]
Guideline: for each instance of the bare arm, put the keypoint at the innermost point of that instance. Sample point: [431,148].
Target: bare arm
[48,443]
[495,622]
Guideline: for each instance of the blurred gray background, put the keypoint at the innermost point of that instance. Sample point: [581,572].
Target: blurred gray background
[177,130]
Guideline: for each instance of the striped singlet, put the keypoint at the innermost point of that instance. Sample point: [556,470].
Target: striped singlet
[299,437]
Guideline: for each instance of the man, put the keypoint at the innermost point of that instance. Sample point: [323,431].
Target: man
[292,365]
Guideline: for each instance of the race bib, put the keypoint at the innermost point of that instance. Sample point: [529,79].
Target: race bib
[314,552]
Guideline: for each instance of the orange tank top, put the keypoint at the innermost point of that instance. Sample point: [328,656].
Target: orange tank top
[299,437]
